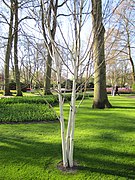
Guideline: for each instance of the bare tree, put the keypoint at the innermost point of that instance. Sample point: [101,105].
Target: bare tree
[127,32]
[75,12]
[120,40]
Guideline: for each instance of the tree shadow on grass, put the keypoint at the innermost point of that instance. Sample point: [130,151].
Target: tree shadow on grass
[114,153]
[124,107]
[105,161]
[100,160]
[27,151]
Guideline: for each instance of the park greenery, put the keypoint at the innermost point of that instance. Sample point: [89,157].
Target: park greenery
[104,144]
[30,108]
[55,53]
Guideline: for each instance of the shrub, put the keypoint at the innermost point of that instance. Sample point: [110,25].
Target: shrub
[24,112]
[36,108]
[22,109]
[48,99]
[31,100]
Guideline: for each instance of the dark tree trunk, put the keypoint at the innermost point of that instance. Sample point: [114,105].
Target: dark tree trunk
[17,73]
[8,53]
[100,94]
[133,70]
[130,57]
[52,17]
[48,73]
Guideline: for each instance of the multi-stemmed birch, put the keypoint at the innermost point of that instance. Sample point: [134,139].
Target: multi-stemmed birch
[68,137]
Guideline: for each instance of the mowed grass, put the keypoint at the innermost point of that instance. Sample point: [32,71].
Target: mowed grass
[104,145]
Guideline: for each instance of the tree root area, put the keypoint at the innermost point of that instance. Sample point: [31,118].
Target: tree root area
[68,169]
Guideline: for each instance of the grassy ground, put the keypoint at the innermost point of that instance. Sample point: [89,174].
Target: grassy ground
[104,145]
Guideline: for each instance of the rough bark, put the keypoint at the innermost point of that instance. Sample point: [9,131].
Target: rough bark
[8,53]
[100,94]
[47,90]
[17,73]
[52,17]
[133,68]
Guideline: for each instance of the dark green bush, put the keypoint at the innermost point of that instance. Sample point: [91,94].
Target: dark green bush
[48,99]
[23,109]
[31,100]
[23,112]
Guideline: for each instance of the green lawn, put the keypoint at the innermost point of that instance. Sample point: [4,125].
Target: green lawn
[104,145]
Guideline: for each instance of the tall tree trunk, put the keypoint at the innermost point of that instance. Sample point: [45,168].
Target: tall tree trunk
[8,53]
[48,72]
[52,17]
[133,68]
[100,93]
[17,73]
[130,55]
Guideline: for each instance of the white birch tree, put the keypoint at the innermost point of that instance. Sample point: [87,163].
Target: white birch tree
[75,9]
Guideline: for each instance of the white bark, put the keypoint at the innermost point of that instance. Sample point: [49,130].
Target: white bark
[58,68]
[72,127]
[68,140]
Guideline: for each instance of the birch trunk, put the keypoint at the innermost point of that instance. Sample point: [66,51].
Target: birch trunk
[68,142]
[76,60]
[55,53]
[72,126]
[58,68]
[64,155]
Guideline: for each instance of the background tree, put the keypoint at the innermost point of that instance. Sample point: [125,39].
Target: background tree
[8,48]
[49,17]
[125,15]
[120,43]
[100,94]
[17,73]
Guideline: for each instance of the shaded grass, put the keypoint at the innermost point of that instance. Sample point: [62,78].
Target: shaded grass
[108,139]
[104,145]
